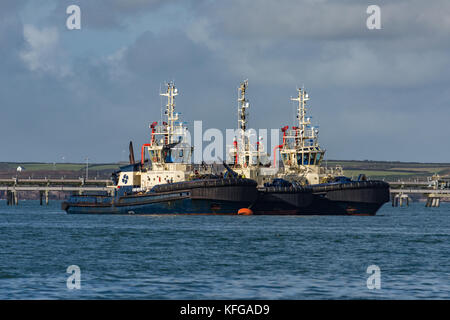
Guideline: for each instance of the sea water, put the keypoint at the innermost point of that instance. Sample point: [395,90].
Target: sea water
[224,257]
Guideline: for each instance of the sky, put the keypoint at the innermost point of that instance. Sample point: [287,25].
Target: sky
[381,94]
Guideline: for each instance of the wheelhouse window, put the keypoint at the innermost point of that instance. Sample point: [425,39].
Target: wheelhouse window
[299,158]
[306,159]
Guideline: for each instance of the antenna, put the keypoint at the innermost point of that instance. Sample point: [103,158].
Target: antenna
[161,102]
[243,105]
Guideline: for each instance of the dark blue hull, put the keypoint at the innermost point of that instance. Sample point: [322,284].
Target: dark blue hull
[350,198]
[179,206]
[224,196]
[282,201]
[363,198]
[227,197]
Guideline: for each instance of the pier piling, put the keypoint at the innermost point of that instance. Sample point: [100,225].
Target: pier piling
[395,200]
[433,201]
[8,198]
[15,197]
[400,200]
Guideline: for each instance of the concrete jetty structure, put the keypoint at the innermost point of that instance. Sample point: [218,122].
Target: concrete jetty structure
[436,189]
[13,186]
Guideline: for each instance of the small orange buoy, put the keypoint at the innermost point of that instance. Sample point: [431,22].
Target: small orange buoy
[245,212]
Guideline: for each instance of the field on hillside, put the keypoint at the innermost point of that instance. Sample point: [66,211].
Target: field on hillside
[391,170]
[34,166]
[373,169]
[56,170]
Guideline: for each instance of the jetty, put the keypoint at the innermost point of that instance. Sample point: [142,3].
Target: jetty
[435,189]
[13,186]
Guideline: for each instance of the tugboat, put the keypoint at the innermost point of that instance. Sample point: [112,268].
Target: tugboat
[168,183]
[275,196]
[301,186]
[333,193]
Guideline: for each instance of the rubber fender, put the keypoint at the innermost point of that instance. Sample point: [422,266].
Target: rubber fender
[203,184]
[245,212]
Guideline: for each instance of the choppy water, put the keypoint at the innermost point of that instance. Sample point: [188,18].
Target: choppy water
[224,257]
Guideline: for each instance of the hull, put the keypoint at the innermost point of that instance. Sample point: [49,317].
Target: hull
[219,196]
[350,198]
[282,200]
[228,196]
[175,206]
[353,198]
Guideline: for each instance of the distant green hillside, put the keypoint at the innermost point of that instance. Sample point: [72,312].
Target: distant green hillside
[390,170]
[57,170]
[34,166]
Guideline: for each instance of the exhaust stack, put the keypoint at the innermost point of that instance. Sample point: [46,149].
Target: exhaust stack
[131,156]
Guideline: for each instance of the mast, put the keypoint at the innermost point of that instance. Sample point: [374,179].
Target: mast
[243,143]
[303,121]
[300,147]
[170,93]
[243,152]
[172,135]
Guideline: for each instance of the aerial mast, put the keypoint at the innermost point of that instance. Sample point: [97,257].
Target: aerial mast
[303,121]
[170,93]
[243,105]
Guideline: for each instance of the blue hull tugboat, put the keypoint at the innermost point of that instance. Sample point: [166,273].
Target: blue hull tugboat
[202,196]
[168,183]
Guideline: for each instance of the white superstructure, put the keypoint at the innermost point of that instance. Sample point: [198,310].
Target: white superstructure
[300,151]
[169,153]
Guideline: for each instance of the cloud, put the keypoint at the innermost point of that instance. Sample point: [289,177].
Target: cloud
[99,88]
[326,19]
[326,43]
[43,53]
[115,66]
[111,14]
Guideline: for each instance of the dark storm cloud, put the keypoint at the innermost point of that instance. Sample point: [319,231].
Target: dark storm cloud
[326,19]
[375,94]
[328,42]
[112,13]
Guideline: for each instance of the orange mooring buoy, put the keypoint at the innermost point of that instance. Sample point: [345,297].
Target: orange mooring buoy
[245,212]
